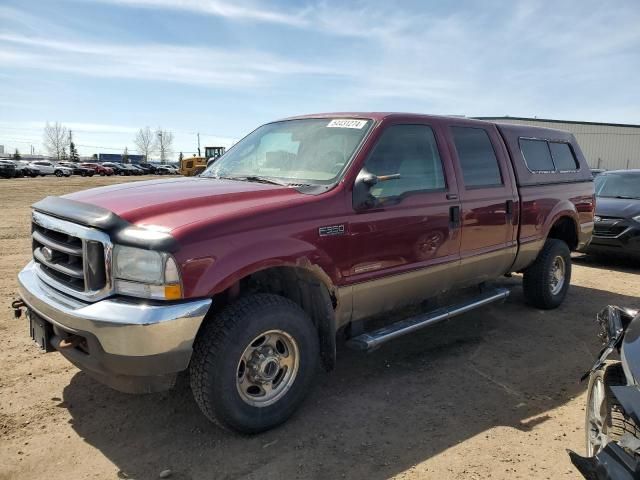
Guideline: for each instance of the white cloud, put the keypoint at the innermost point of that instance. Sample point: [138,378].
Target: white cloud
[154,62]
[234,11]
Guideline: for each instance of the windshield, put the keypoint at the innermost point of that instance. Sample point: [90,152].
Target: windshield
[309,151]
[621,185]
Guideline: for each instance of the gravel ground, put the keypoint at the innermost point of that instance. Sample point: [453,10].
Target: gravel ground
[492,394]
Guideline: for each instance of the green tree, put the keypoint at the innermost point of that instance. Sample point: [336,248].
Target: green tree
[73,153]
[95,156]
[180,158]
[125,155]
[63,155]
[17,156]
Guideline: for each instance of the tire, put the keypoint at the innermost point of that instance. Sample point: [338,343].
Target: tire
[541,288]
[122,173]
[59,173]
[218,362]
[616,423]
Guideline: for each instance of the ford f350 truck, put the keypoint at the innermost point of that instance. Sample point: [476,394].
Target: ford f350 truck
[246,275]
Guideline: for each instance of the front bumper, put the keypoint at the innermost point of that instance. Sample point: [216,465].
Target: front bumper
[131,345]
[624,242]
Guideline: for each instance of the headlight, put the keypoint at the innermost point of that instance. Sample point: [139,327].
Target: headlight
[146,273]
[637,218]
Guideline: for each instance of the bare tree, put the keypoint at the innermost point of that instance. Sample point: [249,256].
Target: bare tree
[144,142]
[55,139]
[164,143]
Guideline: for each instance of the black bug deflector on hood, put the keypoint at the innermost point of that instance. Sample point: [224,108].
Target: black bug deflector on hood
[105,220]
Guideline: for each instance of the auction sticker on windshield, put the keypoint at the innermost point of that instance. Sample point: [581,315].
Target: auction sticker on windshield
[347,123]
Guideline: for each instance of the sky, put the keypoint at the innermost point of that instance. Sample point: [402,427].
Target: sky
[106,68]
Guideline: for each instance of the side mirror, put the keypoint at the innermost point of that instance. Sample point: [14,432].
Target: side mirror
[362,198]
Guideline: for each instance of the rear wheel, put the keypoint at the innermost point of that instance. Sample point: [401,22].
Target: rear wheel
[605,419]
[59,173]
[547,280]
[254,362]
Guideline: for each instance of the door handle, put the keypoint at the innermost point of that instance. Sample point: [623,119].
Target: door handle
[454,215]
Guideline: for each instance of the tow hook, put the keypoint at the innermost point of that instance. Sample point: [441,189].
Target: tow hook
[70,342]
[17,306]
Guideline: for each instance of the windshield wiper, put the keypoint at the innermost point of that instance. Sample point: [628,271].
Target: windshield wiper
[260,179]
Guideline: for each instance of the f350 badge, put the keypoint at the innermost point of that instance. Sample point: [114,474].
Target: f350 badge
[331,230]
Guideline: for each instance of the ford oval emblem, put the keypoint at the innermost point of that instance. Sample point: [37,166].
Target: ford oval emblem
[47,253]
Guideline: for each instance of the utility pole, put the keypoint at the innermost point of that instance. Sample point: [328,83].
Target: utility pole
[161,147]
[198,143]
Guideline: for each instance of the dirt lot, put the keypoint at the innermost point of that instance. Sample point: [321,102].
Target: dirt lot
[493,394]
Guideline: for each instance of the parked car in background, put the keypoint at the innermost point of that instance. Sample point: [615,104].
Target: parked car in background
[99,168]
[149,166]
[118,168]
[140,170]
[617,219]
[7,169]
[246,275]
[165,170]
[47,167]
[20,170]
[78,169]
[62,171]
[28,169]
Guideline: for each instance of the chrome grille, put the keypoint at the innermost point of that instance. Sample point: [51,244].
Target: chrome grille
[72,258]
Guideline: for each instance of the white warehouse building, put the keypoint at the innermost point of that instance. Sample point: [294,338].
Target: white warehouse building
[611,146]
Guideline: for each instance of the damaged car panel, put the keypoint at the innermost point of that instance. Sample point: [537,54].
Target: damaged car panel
[612,419]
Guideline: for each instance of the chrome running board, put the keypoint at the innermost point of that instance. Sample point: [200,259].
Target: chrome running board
[372,340]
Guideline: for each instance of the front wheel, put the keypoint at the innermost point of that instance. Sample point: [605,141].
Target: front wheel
[59,173]
[547,280]
[254,362]
[605,419]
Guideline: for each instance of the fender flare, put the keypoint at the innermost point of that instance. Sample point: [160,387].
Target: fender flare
[562,209]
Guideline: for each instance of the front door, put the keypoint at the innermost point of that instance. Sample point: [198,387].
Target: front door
[405,248]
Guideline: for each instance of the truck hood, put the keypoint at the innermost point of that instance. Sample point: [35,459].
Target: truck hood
[617,207]
[175,203]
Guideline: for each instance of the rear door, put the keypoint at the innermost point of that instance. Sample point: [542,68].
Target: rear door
[406,248]
[488,195]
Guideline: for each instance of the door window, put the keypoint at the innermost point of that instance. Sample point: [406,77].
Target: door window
[477,157]
[410,151]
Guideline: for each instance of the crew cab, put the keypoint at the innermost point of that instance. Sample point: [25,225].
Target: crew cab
[246,275]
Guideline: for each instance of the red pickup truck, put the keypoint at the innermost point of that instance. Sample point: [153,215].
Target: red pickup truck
[246,275]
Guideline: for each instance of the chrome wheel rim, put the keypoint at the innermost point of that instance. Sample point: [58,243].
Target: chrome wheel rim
[267,368]
[596,419]
[558,269]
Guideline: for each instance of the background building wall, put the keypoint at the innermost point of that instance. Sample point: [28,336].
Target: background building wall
[605,145]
